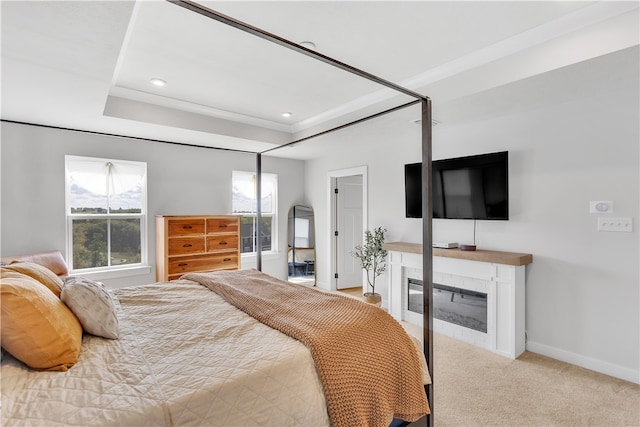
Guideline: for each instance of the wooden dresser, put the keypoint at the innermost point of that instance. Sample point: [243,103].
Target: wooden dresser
[186,244]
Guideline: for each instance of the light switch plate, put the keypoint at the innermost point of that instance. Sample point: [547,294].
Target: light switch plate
[615,224]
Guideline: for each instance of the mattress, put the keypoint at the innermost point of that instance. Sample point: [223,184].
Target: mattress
[184,357]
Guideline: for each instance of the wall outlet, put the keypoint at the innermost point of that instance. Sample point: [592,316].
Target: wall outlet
[615,224]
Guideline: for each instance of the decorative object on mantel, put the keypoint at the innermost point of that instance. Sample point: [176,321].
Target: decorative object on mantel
[469,247]
[372,259]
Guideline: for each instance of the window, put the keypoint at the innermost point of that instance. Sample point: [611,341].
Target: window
[106,213]
[243,202]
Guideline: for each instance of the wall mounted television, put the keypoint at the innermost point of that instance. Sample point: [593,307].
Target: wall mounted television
[471,187]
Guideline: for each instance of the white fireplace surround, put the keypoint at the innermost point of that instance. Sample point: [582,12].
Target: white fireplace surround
[502,283]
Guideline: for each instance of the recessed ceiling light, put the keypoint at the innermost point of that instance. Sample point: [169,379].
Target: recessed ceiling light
[158,82]
[287,114]
[308,45]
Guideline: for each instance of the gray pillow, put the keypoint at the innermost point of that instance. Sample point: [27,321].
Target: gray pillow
[93,306]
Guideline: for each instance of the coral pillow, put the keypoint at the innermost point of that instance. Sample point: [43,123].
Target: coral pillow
[40,273]
[37,328]
[93,306]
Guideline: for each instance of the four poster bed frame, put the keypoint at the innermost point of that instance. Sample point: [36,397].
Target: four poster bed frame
[426,141]
[426,137]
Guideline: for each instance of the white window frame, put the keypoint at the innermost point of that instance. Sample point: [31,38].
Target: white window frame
[253,214]
[109,271]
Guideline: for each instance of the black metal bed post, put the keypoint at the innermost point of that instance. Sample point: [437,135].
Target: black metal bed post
[427,248]
[258,211]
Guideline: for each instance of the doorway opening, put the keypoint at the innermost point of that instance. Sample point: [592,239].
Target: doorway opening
[348,220]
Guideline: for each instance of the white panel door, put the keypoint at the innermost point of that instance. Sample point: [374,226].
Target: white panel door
[349,227]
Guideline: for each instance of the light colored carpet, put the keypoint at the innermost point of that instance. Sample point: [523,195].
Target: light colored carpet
[474,387]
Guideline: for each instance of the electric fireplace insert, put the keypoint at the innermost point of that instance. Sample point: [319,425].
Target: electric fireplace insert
[450,304]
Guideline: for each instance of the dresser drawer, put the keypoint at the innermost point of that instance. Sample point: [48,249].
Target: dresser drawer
[222,225]
[222,243]
[185,245]
[185,227]
[203,263]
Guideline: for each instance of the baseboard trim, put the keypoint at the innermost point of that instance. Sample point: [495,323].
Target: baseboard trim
[592,364]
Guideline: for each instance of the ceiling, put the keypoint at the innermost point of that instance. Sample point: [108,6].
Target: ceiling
[87,65]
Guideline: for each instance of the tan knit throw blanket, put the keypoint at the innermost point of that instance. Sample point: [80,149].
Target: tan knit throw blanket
[367,364]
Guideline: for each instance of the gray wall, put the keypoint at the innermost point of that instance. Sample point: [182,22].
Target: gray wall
[566,148]
[181,181]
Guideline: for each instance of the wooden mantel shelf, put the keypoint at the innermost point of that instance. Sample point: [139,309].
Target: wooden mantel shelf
[497,257]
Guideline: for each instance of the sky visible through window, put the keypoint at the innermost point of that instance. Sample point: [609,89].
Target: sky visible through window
[84,198]
[95,186]
[243,195]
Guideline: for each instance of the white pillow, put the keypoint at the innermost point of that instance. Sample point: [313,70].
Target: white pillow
[93,306]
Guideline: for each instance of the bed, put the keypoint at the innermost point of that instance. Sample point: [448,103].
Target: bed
[186,355]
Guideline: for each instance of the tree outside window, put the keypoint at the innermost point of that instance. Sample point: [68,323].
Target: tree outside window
[106,213]
[243,202]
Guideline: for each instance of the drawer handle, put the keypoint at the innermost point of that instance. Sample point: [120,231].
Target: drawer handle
[227,259]
[183,264]
[187,227]
[222,226]
[187,245]
[223,243]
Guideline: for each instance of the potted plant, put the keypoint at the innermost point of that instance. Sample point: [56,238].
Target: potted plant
[373,260]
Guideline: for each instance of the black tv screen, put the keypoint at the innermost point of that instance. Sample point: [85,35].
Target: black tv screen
[472,187]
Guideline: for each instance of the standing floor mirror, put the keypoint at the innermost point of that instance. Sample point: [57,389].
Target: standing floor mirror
[301,256]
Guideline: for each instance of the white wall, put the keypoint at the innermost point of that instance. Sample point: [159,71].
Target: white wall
[182,180]
[582,290]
